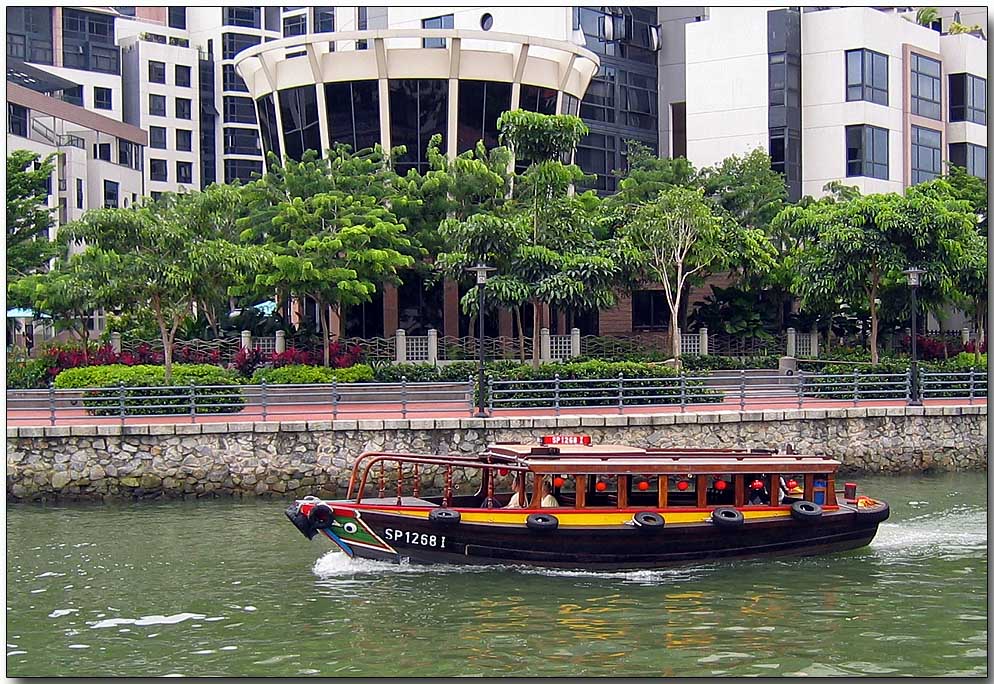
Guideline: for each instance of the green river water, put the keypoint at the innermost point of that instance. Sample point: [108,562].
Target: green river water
[231,588]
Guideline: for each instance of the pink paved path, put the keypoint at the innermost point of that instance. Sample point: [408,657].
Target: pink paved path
[441,409]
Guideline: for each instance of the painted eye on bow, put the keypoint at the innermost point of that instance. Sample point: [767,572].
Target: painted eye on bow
[350,527]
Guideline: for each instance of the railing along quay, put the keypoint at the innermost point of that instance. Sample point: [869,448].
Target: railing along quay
[728,390]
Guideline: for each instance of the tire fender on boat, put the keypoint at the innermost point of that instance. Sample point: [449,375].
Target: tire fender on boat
[805,511]
[321,515]
[444,516]
[545,522]
[649,521]
[873,515]
[727,517]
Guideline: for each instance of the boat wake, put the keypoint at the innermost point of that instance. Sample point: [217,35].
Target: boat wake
[960,529]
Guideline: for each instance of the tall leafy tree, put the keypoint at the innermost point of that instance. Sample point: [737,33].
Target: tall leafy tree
[156,258]
[329,231]
[29,219]
[859,247]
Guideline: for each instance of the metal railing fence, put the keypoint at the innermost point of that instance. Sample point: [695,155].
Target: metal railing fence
[728,389]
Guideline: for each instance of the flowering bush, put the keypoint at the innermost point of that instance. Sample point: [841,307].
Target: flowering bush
[971,346]
[190,355]
[294,357]
[931,348]
[247,360]
[340,356]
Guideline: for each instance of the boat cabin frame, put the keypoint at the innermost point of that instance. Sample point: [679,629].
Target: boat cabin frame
[605,477]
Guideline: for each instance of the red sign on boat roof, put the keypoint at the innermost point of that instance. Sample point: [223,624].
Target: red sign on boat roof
[566,439]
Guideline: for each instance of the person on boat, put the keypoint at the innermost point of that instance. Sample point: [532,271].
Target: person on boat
[548,500]
[516,499]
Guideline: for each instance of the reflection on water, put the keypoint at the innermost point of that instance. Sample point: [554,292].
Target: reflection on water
[230,588]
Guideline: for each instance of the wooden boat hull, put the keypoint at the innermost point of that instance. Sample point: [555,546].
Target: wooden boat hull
[405,536]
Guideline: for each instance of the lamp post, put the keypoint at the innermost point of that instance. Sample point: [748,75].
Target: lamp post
[914,280]
[481,270]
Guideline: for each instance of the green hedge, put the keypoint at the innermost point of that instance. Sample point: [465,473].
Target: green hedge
[312,375]
[458,371]
[187,380]
[843,388]
[692,362]
[27,374]
[659,385]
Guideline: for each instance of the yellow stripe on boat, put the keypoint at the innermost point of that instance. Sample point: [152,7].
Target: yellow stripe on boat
[569,518]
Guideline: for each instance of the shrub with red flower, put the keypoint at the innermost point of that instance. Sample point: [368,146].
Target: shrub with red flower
[293,357]
[247,360]
[931,348]
[971,346]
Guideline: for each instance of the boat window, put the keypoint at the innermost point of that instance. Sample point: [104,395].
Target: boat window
[602,491]
[682,490]
[791,488]
[505,487]
[564,489]
[643,491]
[721,490]
[757,489]
[819,489]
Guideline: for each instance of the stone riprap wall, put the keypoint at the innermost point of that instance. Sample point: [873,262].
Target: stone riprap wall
[298,458]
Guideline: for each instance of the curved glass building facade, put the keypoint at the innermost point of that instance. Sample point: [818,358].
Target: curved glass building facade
[366,87]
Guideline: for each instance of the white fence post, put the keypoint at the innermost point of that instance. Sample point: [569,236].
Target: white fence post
[574,342]
[965,336]
[545,354]
[115,342]
[814,343]
[280,341]
[704,341]
[791,342]
[246,339]
[401,346]
[432,346]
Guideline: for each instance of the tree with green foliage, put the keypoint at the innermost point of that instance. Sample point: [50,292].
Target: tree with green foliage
[679,235]
[29,219]
[970,189]
[155,257]
[329,231]
[862,245]
[926,16]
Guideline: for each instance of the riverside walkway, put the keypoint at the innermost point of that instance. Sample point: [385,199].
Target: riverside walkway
[253,413]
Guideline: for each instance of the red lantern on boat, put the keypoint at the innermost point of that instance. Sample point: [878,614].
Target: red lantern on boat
[643,485]
[682,485]
[721,485]
[558,481]
[756,484]
[791,484]
[600,486]
[503,471]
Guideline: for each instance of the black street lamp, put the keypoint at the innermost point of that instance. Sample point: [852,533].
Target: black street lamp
[481,270]
[914,280]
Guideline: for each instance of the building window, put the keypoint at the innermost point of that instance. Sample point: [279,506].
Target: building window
[183,75]
[101,151]
[88,41]
[17,120]
[79,193]
[102,98]
[597,154]
[184,172]
[480,103]
[324,19]
[600,101]
[29,34]
[971,157]
[866,151]
[968,98]
[157,105]
[111,189]
[295,25]
[242,16]
[537,99]
[785,152]
[157,137]
[678,123]
[238,110]
[649,310]
[926,87]
[184,140]
[639,100]
[177,17]
[233,43]
[184,108]
[243,170]
[866,76]
[231,80]
[353,113]
[443,22]
[418,110]
[73,95]
[156,72]
[267,124]
[926,154]
[124,152]
[158,169]
[301,123]
[241,141]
